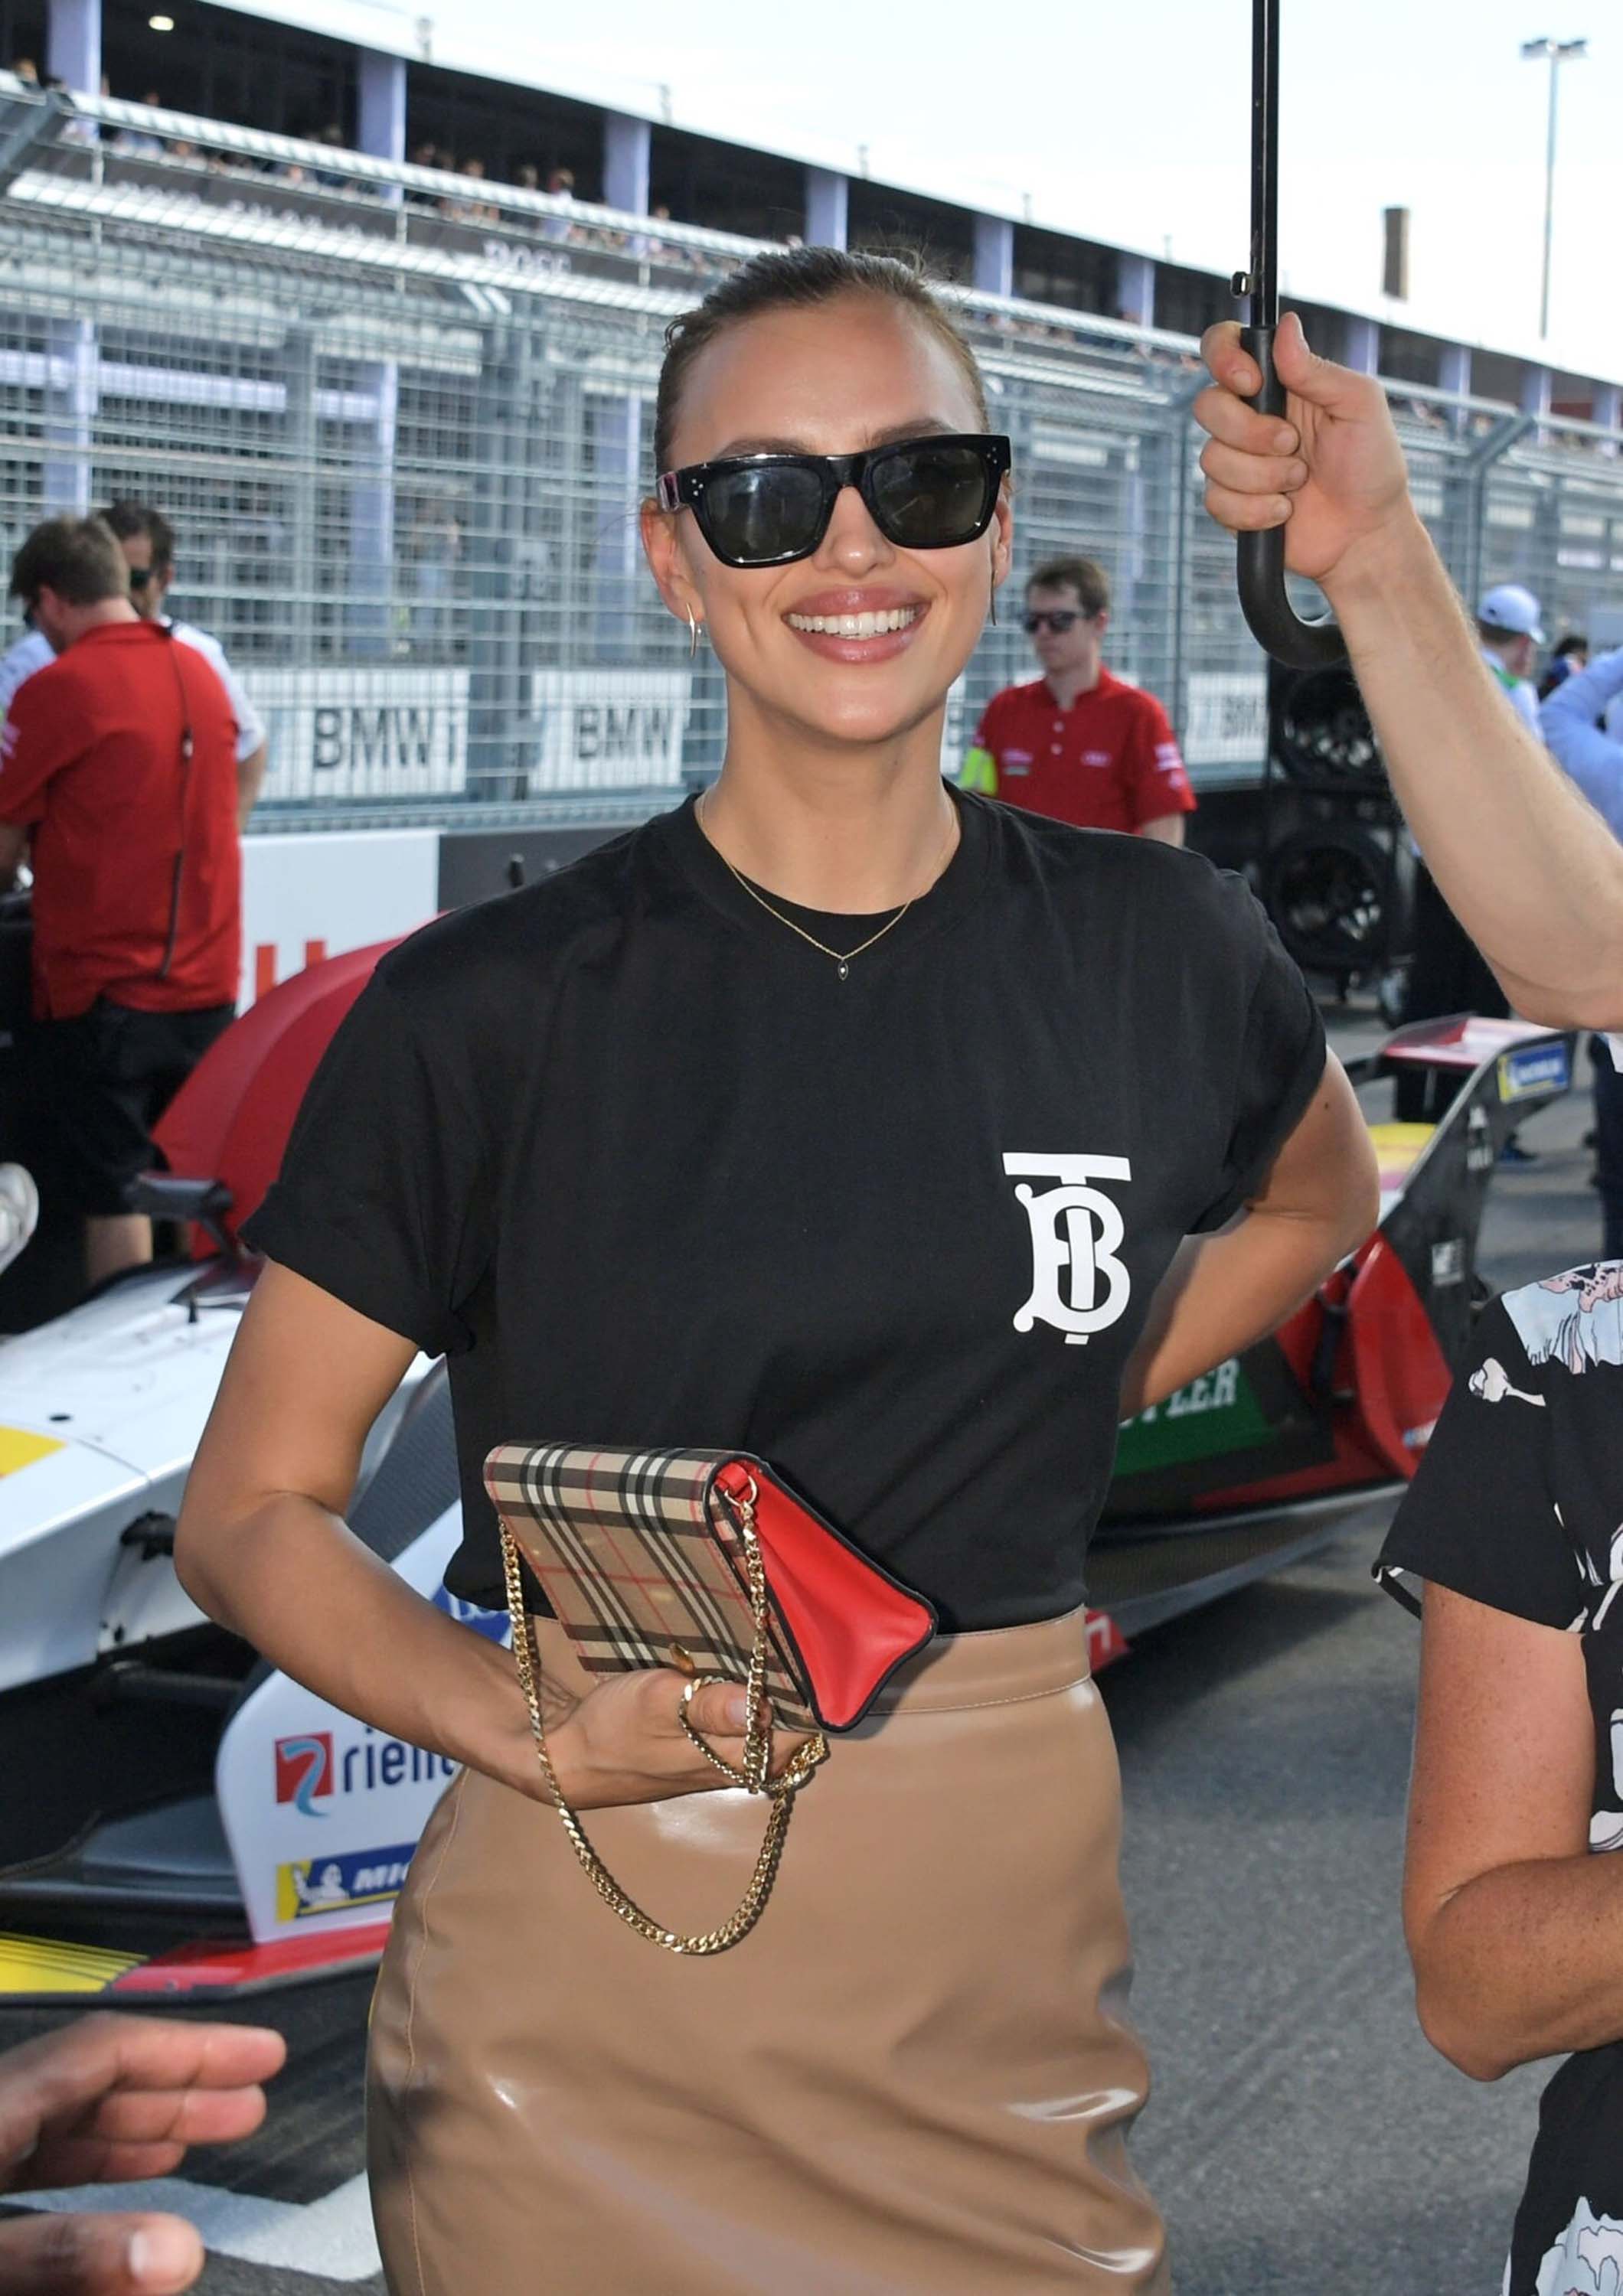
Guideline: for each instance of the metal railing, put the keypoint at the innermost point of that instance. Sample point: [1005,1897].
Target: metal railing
[401,419]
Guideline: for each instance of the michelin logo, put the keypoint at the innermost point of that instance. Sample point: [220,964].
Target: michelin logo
[312,1886]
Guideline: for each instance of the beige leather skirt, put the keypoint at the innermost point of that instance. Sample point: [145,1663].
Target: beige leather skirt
[914,2079]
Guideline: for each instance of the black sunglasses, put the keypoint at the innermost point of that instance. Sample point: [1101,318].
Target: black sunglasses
[140,576]
[768,510]
[1058,618]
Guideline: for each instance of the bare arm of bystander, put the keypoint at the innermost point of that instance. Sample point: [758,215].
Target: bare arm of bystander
[1515,1929]
[1527,865]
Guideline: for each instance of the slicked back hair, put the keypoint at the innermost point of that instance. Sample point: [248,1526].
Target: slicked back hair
[800,278]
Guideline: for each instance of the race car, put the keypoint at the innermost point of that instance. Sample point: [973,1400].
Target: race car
[182,1819]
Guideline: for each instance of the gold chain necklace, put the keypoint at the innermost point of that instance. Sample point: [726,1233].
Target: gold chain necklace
[842,958]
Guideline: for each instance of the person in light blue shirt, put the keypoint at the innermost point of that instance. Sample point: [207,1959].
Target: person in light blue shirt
[1569,721]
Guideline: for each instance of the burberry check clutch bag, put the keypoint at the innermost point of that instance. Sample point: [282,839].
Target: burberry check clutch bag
[645,1558]
[704,1561]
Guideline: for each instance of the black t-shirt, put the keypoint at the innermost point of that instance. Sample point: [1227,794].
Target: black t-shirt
[1517,1505]
[649,1172]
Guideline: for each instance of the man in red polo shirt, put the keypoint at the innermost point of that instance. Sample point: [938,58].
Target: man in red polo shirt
[1077,743]
[118,771]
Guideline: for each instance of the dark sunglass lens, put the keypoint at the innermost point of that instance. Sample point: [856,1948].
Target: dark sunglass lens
[772,511]
[931,497]
[139,577]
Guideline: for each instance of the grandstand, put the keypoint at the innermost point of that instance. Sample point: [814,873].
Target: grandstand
[400,414]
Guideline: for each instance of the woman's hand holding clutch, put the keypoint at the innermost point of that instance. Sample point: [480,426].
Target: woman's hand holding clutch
[624,1740]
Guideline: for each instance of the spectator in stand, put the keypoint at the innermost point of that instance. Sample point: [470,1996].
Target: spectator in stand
[1571,654]
[560,185]
[118,775]
[334,136]
[473,210]
[426,154]
[527,176]
[1572,724]
[147,540]
[1077,743]
[26,71]
[137,143]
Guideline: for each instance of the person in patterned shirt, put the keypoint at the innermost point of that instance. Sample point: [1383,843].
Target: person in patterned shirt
[1512,1901]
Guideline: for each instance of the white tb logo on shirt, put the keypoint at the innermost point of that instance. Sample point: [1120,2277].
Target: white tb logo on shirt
[1075,1230]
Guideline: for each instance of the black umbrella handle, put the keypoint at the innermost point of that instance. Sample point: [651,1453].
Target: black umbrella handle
[1265,602]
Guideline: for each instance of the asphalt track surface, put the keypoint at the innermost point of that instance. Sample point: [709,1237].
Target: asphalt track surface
[1301,2135]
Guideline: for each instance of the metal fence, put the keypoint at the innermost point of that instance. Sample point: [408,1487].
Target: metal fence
[401,421]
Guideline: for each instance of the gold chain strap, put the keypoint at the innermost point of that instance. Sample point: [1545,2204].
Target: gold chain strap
[755,1775]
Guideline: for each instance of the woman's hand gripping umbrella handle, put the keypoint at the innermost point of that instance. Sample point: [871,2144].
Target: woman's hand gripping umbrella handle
[1264,599]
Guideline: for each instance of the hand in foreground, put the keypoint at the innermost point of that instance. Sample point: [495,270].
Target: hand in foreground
[1333,472]
[624,1742]
[106,2099]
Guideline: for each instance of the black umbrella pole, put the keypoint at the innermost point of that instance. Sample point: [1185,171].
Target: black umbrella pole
[1262,279]
[1264,599]
[1261,283]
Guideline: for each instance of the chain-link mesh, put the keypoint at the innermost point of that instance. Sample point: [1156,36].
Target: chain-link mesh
[401,421]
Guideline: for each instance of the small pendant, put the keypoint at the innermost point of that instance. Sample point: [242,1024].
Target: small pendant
[845,969]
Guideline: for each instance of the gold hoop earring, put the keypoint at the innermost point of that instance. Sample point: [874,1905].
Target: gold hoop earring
[693,636]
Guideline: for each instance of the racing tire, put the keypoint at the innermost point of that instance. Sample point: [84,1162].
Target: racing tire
[1326,890]
[1322,734]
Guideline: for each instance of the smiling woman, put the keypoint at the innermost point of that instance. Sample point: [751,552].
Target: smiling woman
[906,1143]
[820,434]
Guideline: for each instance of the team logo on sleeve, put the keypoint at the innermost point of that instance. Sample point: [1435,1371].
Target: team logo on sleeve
[1078,1284]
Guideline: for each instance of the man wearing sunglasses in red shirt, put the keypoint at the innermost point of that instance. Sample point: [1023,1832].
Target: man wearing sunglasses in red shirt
[1077,743]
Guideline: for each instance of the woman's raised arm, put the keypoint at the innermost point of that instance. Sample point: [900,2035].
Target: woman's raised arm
[1529,868]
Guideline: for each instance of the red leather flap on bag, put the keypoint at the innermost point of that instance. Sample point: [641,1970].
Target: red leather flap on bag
[852,1624]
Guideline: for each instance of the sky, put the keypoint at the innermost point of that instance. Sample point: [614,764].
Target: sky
[1131,123]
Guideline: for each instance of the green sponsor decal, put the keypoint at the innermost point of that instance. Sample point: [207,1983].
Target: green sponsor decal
[1214,1414]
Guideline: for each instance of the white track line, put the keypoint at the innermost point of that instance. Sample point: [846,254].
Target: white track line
[332,2238]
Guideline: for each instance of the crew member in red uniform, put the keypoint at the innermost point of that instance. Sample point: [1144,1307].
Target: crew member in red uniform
[1077,743]
[118,771]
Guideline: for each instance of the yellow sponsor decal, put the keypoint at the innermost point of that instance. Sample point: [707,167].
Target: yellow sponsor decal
[1397,1146]
[41,1966]
[19,1448]
[312,1886]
